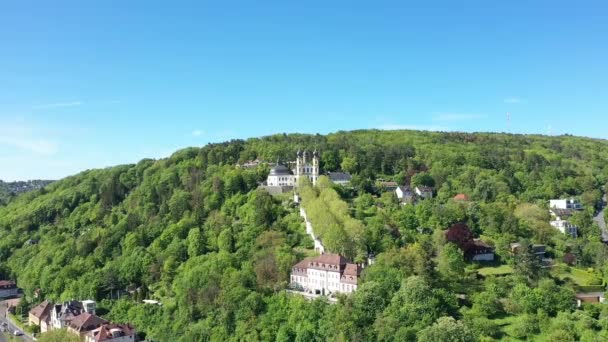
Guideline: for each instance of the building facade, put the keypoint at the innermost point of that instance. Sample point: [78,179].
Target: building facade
[568,203]
[326,274]
[405,195]
[565,227]
[40,315]
[424,192]
[282,176]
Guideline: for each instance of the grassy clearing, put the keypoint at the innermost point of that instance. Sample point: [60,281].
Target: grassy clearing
[495,270]
[579,276]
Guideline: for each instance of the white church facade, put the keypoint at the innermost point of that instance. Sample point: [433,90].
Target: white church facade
[281,175]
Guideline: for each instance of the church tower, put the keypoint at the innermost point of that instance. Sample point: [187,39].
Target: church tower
[315,166]
[299,165]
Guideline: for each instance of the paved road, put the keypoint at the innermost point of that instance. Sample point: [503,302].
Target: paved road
[599,219]
[11,327]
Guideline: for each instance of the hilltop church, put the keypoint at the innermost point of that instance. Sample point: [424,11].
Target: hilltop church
[282,176]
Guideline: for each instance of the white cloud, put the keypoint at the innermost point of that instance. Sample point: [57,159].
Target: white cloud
[197,133]
[457,117]
[58,105]
[513,99]
[392,127]
[40,146]
[24,137]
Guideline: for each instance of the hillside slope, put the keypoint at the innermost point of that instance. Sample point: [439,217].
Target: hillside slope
[193,231]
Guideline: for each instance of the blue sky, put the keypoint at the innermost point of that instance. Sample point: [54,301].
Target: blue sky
[87,84]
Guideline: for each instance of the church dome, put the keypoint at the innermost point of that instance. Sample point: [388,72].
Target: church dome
[280,170]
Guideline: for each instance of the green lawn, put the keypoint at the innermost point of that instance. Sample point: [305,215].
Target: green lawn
[495,270]
[579,276]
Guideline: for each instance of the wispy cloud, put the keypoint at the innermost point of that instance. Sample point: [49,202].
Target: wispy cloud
[58,105]
[514,99]
[23,137]
[458,117]
[392,127]
[197,133]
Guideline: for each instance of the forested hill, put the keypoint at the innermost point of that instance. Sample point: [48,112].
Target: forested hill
[194,232]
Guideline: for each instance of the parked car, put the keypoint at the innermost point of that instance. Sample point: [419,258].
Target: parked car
[17,333]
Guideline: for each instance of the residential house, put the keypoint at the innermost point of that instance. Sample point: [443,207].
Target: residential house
[40,315]
[85,323]
[424,192]
[560,214]
[8,288]
[325,274]
[63,314]
[480,251]
[405,194]
[387,186]
[565,227]
[341,178]
[112,333]
[568,203]
[89,306]
[589,297]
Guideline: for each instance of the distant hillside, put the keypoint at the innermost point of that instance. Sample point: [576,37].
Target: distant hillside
[194,232]
[10,189]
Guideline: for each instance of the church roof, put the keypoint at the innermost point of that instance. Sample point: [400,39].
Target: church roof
[339,176]
[280,170]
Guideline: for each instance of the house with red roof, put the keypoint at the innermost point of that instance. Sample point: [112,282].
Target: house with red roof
[40,315]
[85,323]
[112,333]
[325,274]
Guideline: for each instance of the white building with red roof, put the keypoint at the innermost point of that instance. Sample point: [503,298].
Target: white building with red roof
[325,274]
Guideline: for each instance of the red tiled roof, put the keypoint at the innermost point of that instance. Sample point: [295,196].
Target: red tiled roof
[461,197]
[332,259]
[42,310]
[352,270]
[104,332]
[86,322]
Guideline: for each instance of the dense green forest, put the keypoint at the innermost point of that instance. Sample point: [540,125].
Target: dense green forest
[194,232]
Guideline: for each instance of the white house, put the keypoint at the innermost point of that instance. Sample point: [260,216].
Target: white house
[568,203]
[424,191]
[565,227]
[405,194]
[325,274]
[63,314]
